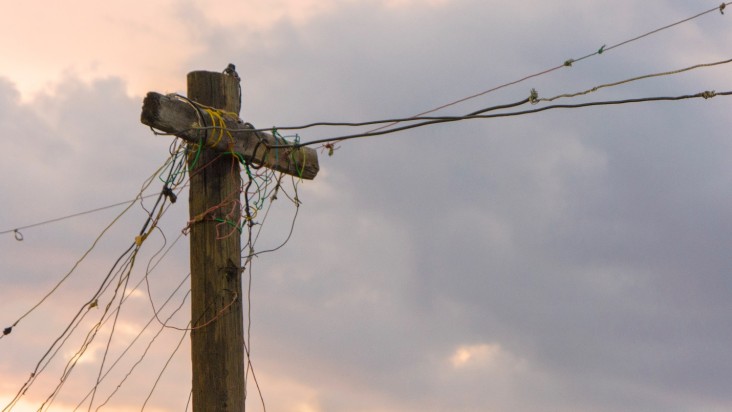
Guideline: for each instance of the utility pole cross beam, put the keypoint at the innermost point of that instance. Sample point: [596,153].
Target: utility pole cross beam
[224,131]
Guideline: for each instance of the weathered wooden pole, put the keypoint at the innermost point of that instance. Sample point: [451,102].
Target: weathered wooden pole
[217,335]
[209,119]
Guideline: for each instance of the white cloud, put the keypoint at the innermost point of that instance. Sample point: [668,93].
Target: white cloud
[410,4]
[475,355]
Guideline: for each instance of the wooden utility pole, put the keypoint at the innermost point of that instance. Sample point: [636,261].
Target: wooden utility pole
[209,117]
[217,335]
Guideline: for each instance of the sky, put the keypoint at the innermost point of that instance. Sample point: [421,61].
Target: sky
[568,260]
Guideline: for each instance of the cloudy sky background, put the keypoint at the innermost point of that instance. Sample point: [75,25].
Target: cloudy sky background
[568,260]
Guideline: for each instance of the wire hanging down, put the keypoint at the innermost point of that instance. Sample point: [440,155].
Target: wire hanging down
[112,290]
[226,133]
[100,310]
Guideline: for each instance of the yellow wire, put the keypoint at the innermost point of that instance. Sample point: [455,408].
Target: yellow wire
[218,122]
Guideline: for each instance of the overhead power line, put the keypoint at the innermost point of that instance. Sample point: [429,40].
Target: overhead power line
[480,114]
[569,62]
[647,76]
[19,236]
[430,120]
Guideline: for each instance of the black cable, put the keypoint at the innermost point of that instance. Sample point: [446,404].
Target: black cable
[395,120]
[430,120]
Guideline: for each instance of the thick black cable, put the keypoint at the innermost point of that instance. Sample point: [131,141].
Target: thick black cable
[430,120]
[395,120]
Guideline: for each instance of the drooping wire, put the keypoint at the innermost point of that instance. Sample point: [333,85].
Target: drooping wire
[147,348]
[480,114]
[137,337]
[568,63]
[160,375]
[124,272]
[487,109]
[431,120]
[123,280]
[55,346]
[118,310]
[17,230]
[249,217]
[375,122]
[261,185]
[137,286]
[175,176]
[154,317]
[78,262]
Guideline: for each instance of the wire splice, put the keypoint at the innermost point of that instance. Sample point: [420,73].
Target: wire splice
[169,193]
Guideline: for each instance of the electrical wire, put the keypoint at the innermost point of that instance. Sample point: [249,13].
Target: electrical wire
[566,63]
[534,99]
[375,122]
[160,375]
[124,275]
[94,243]
[147,348]
[431,120]
[126,261]
[569,62]
[618,83]
[86,212]
[137,337]
[176,172]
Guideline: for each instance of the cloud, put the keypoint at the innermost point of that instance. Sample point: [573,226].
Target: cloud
[151,34]
[570,260]
[570,236]
[77,150]
[478,355]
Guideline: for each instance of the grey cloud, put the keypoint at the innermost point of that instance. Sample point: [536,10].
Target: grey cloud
[589,244]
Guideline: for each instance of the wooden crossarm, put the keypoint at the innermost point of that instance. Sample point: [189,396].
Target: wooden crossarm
[225,132]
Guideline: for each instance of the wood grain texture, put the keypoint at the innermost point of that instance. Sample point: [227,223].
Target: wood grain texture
[217,338]
[172,115]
